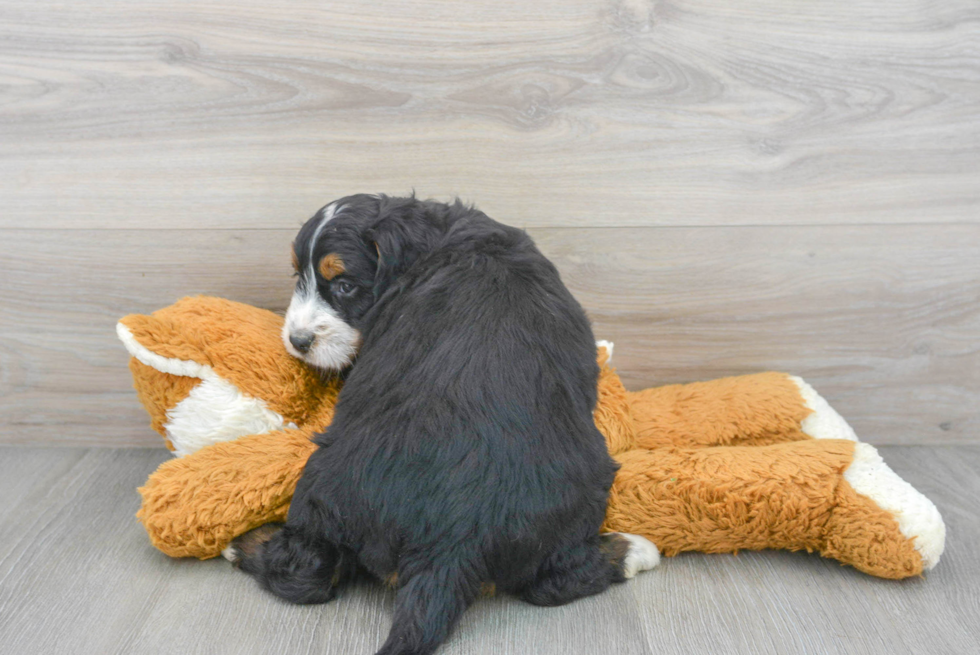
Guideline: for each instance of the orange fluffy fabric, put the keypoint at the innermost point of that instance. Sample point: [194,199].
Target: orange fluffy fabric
[715,466]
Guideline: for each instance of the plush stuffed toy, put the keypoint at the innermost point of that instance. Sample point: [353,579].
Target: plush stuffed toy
[752,462]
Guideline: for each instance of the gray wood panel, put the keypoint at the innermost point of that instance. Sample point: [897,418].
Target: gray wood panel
[566,112]
[78,575]
[883,320]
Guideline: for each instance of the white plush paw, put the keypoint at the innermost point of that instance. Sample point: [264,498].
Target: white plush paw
[642,555]
[917,517]
[823,422]
[608,345]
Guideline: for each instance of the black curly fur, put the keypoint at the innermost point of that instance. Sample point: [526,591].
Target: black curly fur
[463,449]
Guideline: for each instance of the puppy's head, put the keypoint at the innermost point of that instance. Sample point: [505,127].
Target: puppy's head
[345,257]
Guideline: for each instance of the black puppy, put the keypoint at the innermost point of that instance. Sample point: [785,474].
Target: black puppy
[463,449]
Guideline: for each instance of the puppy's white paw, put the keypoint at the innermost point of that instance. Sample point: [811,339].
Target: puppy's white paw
[642,555]
[230,554]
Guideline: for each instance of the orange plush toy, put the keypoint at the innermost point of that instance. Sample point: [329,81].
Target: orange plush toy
[752,462]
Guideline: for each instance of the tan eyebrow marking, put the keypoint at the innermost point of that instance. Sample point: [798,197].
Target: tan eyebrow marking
[295,258]
[331,266]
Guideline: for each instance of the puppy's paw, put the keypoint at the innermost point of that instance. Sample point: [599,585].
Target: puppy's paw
[249,545]
[230,554]
[641,556]
[630,553]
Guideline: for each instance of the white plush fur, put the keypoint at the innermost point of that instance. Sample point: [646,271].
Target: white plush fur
[642,555]
[159,362]
[214,410]
[916,515]
[608,345]
[824,422]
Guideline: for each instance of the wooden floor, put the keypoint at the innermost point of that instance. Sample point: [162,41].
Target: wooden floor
[78,576]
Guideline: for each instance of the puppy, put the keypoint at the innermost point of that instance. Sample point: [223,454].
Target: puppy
[463,450]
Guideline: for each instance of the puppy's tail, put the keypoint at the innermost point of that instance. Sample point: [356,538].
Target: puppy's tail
[292,565]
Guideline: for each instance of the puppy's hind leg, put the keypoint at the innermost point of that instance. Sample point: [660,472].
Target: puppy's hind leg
[589,568]
[427,607]
[291,564]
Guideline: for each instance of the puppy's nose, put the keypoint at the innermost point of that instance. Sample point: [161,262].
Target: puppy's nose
[302,340]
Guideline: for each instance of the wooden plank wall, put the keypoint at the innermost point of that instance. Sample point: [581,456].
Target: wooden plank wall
[727,186]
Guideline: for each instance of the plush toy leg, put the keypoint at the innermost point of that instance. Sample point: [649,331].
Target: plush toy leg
[760,409]
[870,501]
[833,496]
[193,506]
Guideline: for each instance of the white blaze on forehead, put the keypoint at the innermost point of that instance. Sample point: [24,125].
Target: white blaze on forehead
[335,342]
[328,213]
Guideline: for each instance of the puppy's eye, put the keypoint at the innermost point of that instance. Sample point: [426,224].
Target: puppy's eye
[344,288]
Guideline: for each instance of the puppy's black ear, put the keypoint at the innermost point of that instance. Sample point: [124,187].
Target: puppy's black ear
[399,239]
[389,240]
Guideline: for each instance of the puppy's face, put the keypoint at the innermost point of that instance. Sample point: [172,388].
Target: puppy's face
[336,269]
